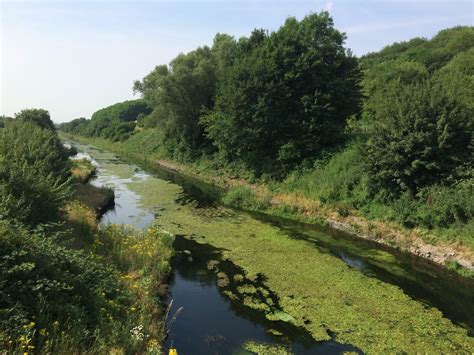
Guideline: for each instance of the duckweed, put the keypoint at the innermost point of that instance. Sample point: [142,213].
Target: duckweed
[222,279]
[250,289]
[266,349]
[319,291]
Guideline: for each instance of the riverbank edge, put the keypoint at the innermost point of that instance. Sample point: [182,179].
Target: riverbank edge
[454,256]
[89,203]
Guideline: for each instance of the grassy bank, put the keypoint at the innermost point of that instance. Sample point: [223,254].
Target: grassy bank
[139,258]
[299,198]
[98,199]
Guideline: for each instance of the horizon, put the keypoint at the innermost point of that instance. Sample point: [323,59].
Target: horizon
[74,58]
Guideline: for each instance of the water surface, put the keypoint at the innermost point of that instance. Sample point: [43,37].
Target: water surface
[207,321]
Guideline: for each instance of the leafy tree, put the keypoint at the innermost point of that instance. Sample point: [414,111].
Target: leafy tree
[287,97]
[420,135]
[4,120]
[457,77]
[178,94]
[433,54]
[78,125]
[38,116]
[116,122]
[126,111]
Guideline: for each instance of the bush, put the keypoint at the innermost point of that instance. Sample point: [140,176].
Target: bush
[34,173]
[438,206]
[244,198]
[340,178]
[46,289]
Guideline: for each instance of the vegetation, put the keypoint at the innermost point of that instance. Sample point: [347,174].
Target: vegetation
[360,310]
[391,137]
[39,117]
[83,169]
[115,122]
[34,173]
[64,283]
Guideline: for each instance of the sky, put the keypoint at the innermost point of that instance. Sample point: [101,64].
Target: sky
[74,57]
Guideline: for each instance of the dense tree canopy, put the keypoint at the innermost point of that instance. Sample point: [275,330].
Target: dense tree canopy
[287,96]
[39,117]
[116,122]
[284,95]
[400,128]
[418,118]
[179,93]
[433,54]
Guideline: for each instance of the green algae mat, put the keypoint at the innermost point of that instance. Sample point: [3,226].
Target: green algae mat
[316,290]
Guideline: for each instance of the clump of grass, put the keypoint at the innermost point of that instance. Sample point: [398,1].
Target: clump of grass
[455,266]
[83,170]
[243,197]
[222,279]
[266,349]
[99,199]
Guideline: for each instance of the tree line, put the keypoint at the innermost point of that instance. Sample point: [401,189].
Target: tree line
[397,125]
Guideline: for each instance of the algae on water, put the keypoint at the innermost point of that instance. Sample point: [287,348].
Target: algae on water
[316,290]
[266,349]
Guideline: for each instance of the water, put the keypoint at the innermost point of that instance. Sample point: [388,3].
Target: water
[210,322]
[223,324]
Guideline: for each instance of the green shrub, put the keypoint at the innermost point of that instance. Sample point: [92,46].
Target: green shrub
[438,206]
[34,173]
[244,198]
[46,289]
[340,179]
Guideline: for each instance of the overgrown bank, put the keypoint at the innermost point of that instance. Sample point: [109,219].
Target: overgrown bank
[66,283]
[380,145]
[276,199]
[342,303]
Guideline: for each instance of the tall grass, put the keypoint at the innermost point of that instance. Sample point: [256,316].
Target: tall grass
[82,170]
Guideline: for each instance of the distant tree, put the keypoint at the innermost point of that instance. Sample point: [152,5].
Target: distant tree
[433,54]
[39,117]
[4,120]
[116,122]
[179,94]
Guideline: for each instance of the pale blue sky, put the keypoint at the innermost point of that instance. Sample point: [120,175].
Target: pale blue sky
[74,57]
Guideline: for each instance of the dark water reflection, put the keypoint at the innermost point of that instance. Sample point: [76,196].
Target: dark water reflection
[209,323]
